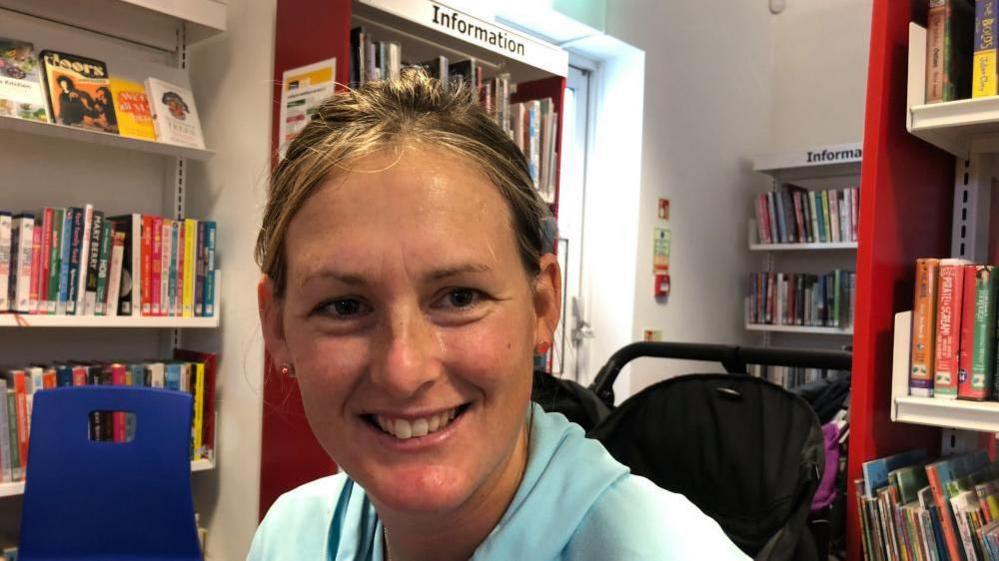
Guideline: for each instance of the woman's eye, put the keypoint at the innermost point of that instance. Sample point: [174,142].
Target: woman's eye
[343,308]
[461,298]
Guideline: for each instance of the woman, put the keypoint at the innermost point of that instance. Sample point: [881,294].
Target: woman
[406,289]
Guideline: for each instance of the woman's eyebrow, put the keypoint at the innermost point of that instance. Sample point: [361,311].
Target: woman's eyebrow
[456,270]
[352,279]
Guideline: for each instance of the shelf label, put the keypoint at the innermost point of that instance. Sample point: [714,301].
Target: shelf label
[479,32]
[818,156]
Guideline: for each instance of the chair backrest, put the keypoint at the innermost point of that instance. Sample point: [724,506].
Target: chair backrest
[746,452]
[105,500]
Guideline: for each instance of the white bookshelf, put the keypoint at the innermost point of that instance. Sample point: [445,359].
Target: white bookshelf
[962,127]
[22,126]
[802,329]
[831,246]
[17,488]
[932,411]
[28,321]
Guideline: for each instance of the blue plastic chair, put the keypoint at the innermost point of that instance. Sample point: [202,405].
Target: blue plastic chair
[103,500]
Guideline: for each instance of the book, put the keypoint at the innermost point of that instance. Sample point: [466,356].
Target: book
[102,268]
[36,264]
[129,300]
[76,243]
[21,90]
[84,261]
[5,259]
[981,292]
[17,382]
[93,263]
[65,248]
[834,215]
[45,262]
[22,254]
[190,247]
[6,465]
[16,467]
[114,272]
[135,118]
[173,257]
[984,80]
[924,328]
[156,301]
[78,90]
[948,332]
[941,475]
[967,330]
[876,471]
[210,275]
[175,116]
[146,239]
[949,43]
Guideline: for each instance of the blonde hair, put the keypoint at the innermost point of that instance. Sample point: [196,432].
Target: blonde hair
[414,108]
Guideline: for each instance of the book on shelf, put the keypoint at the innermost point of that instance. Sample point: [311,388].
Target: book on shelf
[791,377]
[944,509]
[793,215]
[77,261]
[955,330]
[21,89]
[79,91]
[950,37]
[174,114]
[984,80]
[802,299]
[135,117]
[532,124]
[188,371]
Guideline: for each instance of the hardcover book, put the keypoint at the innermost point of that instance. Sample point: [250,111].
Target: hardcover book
[175,117]
[948,336]
[79,91]
[983,76]
[949,43]
[21,93]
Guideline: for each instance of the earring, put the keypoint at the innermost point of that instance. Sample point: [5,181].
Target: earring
[542,348]
[287,370]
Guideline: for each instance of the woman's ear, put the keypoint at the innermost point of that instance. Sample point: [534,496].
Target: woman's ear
[547,298]
[272,322]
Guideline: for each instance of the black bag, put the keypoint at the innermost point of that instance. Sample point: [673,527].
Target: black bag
[746,452]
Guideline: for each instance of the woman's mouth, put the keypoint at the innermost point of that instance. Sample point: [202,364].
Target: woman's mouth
[404,429]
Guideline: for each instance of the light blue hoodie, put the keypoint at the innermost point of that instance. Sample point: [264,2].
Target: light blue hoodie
[575,503]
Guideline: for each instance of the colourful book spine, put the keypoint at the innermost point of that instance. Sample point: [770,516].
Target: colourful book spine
[16,467]
[967,331]
[827,216]
[5,442]
[165,266]
[190,247]
[948,328]
[834,216]
[175,251]
[924,321]
[156,265]
[984,348]
[197,426]
[210,237]
[17,381]
[146,273]
[107,238]
[984,79]
[93,263]
[799,216]
[199,271]
[64,260]
[820,211]
[37,235]
[52,283]
[75,255]
[118,427]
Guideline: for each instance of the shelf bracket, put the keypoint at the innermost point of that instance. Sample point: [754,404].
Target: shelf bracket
[974,180]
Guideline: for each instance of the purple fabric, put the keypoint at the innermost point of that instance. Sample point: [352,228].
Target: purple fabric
[826,493]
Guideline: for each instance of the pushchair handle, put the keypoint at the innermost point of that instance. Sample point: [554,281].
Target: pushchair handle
[733,358]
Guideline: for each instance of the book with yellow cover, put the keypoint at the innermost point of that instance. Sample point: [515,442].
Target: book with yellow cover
[198,422]
[135,119]
[190,242]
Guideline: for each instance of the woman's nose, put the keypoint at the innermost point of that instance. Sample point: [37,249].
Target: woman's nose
[410,354]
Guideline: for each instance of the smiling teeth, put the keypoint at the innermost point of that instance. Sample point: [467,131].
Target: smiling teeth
[404,429]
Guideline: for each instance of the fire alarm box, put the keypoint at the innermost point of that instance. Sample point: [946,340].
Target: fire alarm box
[662,285]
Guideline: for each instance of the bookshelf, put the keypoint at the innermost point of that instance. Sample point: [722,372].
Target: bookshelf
[830,246]
[803,329]
[812,171]
[17,488]
[21,126]
[904,215]
[312,30]
[50,165]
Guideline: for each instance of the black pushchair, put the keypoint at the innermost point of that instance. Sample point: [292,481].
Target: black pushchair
[747,452]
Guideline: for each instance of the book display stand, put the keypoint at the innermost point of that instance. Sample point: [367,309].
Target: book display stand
[309,31]
[926,191]
[54,165]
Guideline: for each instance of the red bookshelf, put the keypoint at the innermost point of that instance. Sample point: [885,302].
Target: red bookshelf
[905,213]
[308,31]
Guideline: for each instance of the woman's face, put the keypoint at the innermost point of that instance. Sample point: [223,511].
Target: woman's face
[411,324]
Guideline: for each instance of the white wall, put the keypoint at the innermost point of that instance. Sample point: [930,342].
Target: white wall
[231,76]
[820,73]
[707,107]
